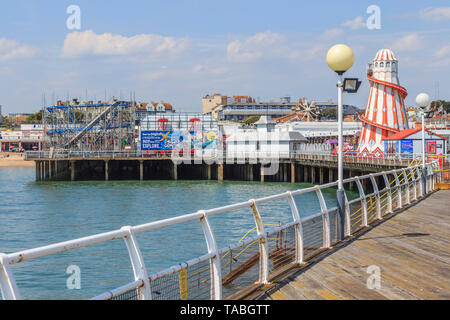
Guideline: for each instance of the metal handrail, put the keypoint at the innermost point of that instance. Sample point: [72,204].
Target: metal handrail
[223,156]
[142,282]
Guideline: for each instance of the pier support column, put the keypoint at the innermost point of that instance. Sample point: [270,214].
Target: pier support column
[330,175]
[106,170]
[56,169]
[72,170]
[44,174]
[250,172]
[305,174]
[37,165]
[313,175]
[285,172]
[262,173]
[220,172]
[175,171]
[141,170]
[351,185]
[363,183]
[292,172]
[50,171]
[209,172]
[321,175]
[41,171]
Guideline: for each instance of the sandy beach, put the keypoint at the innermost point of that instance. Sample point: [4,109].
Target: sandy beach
[13,159]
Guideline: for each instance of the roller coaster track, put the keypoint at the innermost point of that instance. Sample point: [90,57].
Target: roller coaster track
[94,121]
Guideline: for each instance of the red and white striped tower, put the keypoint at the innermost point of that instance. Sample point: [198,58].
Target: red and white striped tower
[386,110]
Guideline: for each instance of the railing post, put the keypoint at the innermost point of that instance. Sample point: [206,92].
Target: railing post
[399,191]
[137,262]
[215,266]
[389,193]
[364,221]
[325,219]
[8,285]
[414,181]
[347,222]
[299,252]
[263,248]
[377,193]
[407,186]
[421,181]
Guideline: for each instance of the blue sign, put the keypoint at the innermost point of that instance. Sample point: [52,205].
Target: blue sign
[178,140]
[406,146]
[158,140]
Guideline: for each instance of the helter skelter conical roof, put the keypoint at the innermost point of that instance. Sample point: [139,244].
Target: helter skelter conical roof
[385,55]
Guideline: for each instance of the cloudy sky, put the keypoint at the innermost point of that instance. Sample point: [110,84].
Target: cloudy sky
[178,51]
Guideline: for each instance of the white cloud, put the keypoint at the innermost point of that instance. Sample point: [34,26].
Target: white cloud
[156,75]
[443,52]
[355,24]
[331,34]
[11,49]
[89,43]
[442,57]
[410,42]
[435,14]
[252,48]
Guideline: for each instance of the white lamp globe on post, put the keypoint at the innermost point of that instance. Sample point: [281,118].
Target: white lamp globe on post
[340,58]
[423,101]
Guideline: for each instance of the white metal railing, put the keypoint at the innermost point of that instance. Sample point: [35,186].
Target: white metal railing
[305,236]
[220,155]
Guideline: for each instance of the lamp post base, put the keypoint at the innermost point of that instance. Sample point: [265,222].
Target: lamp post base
[340,196]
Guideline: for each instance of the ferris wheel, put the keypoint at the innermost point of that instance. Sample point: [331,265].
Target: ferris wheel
[307,111]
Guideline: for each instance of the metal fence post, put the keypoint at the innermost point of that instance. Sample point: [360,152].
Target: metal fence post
[347,222]
[364,221]
[137,262]
[263,248]
[8,285]
[215,265]
[325,219]
[299,252]
[407,186]
[399,191]
[377,193]
[414,181]
[389,193]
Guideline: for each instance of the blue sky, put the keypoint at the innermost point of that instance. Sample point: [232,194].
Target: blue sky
[178,51]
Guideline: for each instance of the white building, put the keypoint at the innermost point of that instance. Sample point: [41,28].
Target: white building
[264,140]
[409,141]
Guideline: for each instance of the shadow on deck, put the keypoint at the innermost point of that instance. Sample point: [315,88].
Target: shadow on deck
[409,250]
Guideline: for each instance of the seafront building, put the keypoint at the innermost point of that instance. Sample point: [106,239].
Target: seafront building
[264,139]
[238,108]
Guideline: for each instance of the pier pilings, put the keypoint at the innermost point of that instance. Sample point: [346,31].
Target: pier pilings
[166,169]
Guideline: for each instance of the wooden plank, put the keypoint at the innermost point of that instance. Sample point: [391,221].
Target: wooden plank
[411,248]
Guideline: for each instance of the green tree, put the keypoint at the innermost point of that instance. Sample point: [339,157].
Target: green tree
[251,119]
[330,113]
[34,117]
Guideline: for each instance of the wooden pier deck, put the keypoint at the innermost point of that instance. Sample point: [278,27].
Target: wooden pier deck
[412,250]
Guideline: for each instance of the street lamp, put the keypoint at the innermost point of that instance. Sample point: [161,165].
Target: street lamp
[423,101]
[340,58]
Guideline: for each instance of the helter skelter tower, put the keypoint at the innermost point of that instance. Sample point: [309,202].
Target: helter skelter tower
[386,110]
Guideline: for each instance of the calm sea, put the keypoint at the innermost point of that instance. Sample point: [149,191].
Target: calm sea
[40,213]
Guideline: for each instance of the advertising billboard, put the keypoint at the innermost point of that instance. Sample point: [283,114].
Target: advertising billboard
[406,146]
[160,140]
